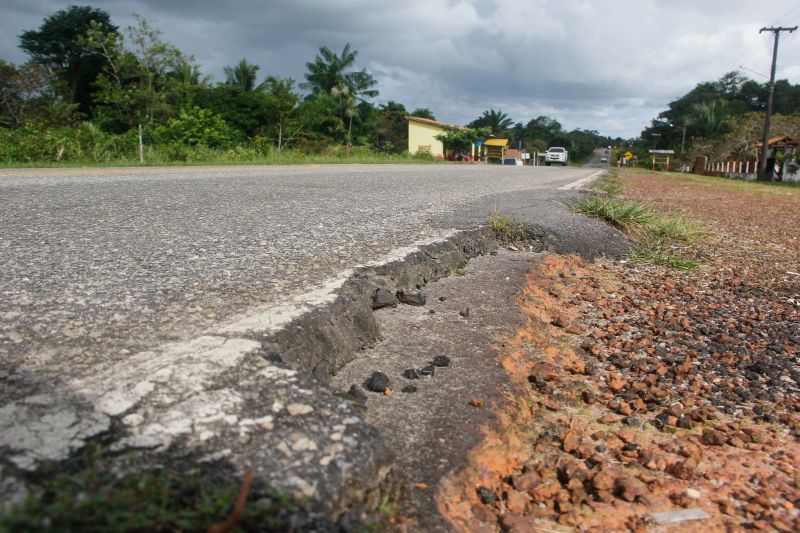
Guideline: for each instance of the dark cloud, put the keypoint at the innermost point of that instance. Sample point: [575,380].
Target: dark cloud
[608,66]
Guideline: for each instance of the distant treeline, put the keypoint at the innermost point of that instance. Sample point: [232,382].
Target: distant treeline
[723,118]
[89,87]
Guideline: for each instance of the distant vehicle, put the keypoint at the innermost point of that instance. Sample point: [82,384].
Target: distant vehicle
[556,154]
[604,159]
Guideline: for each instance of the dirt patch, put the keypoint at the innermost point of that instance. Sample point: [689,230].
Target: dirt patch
[645,390]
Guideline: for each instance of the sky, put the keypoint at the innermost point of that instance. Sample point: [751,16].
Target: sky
[605,65]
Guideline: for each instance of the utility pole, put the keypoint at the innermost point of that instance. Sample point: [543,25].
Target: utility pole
[762,164]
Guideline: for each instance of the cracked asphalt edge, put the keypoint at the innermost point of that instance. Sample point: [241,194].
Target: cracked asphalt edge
[251,392]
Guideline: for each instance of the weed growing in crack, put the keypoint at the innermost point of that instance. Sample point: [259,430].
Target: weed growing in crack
[506,229]
[93,497]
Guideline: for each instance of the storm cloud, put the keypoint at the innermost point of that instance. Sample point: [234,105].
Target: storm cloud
[609,66]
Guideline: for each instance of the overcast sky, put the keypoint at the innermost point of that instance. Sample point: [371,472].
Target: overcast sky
[605,65]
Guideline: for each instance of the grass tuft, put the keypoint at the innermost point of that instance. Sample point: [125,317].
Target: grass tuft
[658,234]
[506,229]
[609,183]
[623,214]
[93,498]
[649,256]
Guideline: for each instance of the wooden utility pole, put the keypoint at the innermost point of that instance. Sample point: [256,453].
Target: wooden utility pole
[762,164]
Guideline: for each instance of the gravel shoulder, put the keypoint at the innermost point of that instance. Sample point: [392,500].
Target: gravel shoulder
[647,397]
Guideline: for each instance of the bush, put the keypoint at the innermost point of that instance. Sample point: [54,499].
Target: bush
[197,127]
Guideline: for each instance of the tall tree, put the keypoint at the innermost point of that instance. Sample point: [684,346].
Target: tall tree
[242,75]
[331,78]
[133,88]
[423,112]
[20,88]
[57,46]
[330,71]
[497,122]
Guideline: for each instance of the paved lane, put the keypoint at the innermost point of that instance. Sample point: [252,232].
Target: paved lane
[96,264]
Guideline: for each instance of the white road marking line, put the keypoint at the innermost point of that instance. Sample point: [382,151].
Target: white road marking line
[580,182]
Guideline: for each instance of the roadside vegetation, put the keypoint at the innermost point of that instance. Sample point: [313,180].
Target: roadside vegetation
[506,229]
[664,240]
[93,497]
[93,93]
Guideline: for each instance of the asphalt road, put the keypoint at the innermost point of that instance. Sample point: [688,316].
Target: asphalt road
[97,264]
[599,154]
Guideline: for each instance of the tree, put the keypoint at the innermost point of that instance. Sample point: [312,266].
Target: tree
[707,118]
[331,77]
[242,75]
[282,108]
[461,139]
[423,112]
[133,87]
[20,88]
[57,46]
[391,128]
[497,122]
[329,71]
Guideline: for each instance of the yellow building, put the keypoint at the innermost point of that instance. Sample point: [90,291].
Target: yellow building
[422,134]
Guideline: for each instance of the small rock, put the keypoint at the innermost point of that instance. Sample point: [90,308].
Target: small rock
[527,481]
[693,493]
[441,361]
[377,382]
[356,394]
[383,298]
[676,517]
[476,402]
[296,409]
[634,421]
[409,389]
[411,297]
[421,486]
[464,312]
[713,437]
[561,320]
[487,495]
[410,373]
[427,370]
[570,440]
[605,479]
[627,436]
[516,501]
[442,298]
[544,371]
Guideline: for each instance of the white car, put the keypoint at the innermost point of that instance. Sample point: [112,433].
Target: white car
[556,154]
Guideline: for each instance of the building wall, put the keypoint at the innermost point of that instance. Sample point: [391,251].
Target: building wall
[423,137]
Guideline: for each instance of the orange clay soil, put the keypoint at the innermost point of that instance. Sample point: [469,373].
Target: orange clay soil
[642,390]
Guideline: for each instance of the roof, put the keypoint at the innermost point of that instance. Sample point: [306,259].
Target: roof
[783,140]
[433,122]
[496,142]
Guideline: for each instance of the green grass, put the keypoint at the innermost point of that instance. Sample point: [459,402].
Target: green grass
[657,234]
[622,214]
[675,228]
[649,256]
[202,156]
[608,183]
[93,498]
[506,229]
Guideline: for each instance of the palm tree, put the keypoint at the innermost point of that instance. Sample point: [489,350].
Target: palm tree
[497,121]
[330,71]
[242,75]
[707,118]
[331,75]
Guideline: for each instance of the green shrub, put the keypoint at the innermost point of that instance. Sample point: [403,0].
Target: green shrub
[197,127]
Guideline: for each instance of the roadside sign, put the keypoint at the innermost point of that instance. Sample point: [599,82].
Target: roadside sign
[628,156]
